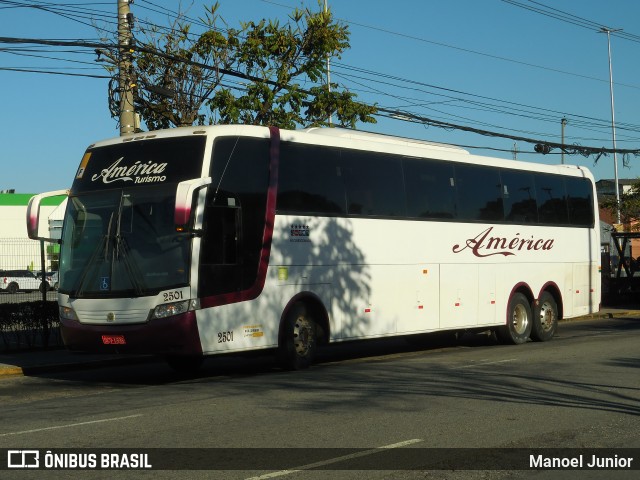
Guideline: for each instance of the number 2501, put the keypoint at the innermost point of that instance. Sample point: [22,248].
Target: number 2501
[225,337]
[171,296]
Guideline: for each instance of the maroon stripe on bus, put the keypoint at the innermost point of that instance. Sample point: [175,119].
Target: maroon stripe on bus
[267,235]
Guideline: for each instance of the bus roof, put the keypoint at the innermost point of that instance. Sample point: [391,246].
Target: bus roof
[361,140]
[381,138]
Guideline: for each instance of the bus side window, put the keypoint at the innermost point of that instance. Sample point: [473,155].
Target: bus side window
[374,184]
[429,188]
[552,199]
[310,180]
[479,193]
[580,201]
[235,215]
[519,193]
[223,223]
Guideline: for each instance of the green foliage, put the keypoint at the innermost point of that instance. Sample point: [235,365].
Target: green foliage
[172,85]
[180,75]
[629,206]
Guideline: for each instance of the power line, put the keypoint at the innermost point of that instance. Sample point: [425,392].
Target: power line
[455,99]
[490,103]
[68,74]
[538,7]
[396,114]
[459,102]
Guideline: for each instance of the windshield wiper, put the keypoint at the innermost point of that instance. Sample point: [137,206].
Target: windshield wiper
[123,251]
[99,255]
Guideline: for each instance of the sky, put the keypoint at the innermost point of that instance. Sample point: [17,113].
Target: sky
[513,67]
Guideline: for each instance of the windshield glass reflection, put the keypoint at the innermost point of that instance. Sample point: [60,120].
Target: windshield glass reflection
[122,242]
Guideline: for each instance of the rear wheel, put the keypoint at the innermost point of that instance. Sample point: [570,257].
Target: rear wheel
[519,321]
[545,318]
[299,340]
[12,288]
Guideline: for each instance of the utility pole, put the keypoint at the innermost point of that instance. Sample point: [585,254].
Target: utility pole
[125,80]
[563,122]
[613,120]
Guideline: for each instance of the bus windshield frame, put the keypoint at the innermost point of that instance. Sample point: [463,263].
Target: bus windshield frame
[123,242]
[119,236]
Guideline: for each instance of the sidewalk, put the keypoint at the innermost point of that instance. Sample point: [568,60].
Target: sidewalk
[47,361]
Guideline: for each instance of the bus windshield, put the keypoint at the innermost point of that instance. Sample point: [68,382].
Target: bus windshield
[123,241]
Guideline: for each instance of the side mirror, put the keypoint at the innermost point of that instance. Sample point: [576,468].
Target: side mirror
[33,213]
[184,201]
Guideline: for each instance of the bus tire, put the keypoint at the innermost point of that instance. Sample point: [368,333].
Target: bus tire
[519,321]
[299,339]
[185,363]
[545,318]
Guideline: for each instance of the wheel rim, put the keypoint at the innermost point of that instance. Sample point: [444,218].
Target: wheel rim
[547,316]
[303,336]
[520,319]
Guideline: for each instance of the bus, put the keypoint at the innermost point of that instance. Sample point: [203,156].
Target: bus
[198,241]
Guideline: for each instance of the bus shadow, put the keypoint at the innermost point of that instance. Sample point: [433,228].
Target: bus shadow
[369,374]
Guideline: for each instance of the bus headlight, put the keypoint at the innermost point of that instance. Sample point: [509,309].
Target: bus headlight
[176,308]
[67,313]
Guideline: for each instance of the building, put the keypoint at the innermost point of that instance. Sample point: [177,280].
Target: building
[606,188]
[17,251]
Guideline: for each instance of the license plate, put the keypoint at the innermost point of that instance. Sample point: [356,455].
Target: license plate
[113,340]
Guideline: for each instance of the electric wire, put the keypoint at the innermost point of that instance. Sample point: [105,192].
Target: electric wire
[456,102]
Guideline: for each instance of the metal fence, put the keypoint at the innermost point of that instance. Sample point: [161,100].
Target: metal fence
[28,306]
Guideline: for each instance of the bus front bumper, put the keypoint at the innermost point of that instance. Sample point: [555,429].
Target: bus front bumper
[176,335]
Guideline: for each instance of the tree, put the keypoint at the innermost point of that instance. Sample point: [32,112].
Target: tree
[179,75]
[629,206]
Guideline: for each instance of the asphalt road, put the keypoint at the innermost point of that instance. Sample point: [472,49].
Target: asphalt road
[581,390]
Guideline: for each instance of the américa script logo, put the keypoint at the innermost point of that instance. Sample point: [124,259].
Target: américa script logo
[486,245]
[148,172]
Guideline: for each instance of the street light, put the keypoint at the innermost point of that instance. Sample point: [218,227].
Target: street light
[608,31]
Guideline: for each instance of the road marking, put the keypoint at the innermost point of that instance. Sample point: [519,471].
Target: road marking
[482,364]
[330,461]
[70,425]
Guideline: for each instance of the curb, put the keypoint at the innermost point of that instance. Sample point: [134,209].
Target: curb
[7,371]
[622,313]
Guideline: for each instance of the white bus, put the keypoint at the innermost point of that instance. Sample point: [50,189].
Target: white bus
[207,240]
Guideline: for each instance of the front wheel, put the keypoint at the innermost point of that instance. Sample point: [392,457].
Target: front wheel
[519,321]
[545,318]
[299,339]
